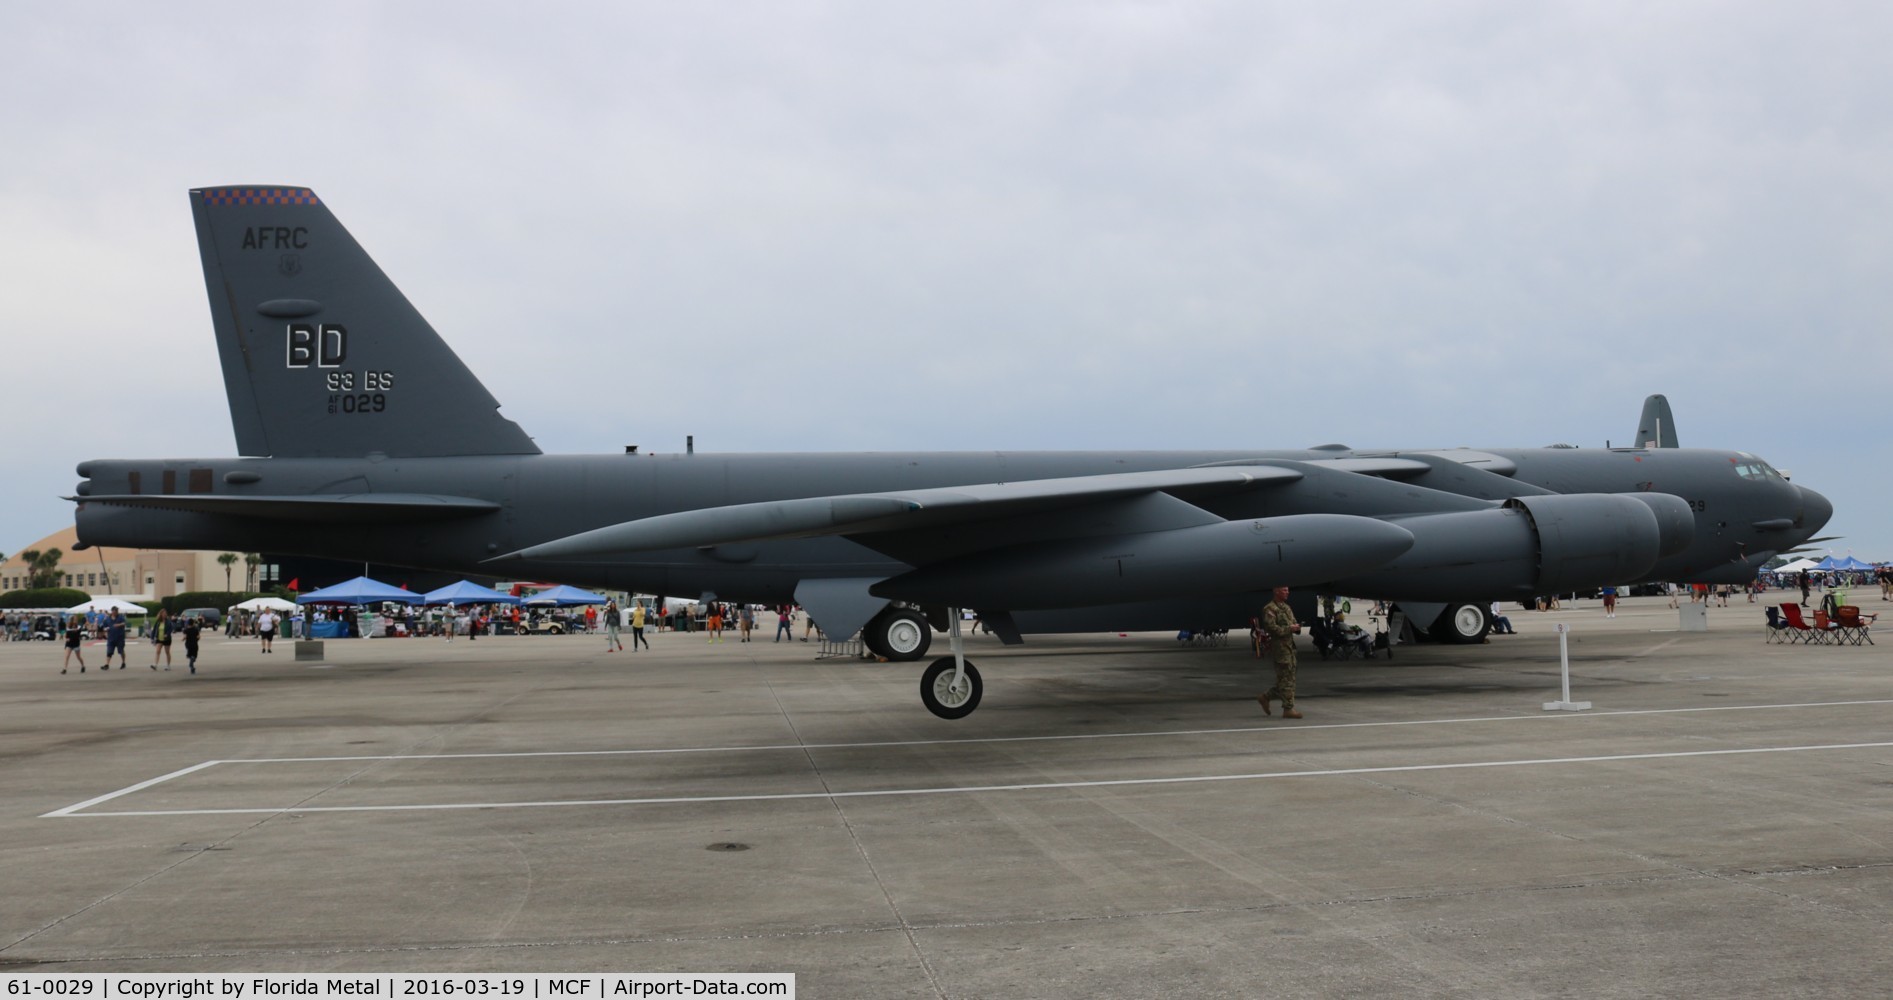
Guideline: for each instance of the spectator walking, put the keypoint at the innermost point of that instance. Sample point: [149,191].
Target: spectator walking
[266,628]
[161,639]
[193,628]
[613,644]
[75,634]
[115,640]
[1279,622]
[785,621]
[637,628]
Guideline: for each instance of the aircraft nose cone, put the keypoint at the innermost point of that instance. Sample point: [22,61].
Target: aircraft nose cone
[1815,511]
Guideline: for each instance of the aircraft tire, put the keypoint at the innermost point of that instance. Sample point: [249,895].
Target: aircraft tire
[871,638]
[938,694]
[1462,624]
[899,634]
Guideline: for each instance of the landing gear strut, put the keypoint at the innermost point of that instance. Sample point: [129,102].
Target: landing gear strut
[950,687]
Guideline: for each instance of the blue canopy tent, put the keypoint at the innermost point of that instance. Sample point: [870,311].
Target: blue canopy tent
[466,592]
[1851,563]
[1826,564]
[563,597]
[360,590]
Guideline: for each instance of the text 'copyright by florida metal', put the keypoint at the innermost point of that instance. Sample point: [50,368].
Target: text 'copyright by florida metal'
[399,986]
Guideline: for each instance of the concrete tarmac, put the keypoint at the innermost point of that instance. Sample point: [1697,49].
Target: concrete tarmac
[1117,819]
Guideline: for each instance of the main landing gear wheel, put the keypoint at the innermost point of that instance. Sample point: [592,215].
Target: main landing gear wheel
[1462,624]
[899,634]
[945,699]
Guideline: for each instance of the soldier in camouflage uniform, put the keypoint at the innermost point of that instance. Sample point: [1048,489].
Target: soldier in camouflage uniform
[1279,622]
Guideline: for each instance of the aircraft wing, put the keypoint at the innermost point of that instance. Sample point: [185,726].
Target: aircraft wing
[903,510]
[318,507]
[1406,464]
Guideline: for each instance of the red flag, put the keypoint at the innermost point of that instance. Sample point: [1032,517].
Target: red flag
[292,583]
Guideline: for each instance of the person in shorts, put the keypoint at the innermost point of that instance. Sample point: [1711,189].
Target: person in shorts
[161,640]
[75,633]
[115,640]
[266,628]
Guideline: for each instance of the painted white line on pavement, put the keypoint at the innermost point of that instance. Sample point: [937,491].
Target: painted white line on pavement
[1271,730]
[948,790]
[127,790]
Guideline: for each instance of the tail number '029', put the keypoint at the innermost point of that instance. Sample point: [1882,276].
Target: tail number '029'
[361,402]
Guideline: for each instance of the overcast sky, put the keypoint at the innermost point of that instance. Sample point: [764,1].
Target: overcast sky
[896,226]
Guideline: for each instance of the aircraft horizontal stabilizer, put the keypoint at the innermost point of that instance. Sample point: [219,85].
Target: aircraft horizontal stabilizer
[326,509]
[867,512]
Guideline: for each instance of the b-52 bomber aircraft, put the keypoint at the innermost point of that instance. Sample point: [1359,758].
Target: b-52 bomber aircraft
[366,438]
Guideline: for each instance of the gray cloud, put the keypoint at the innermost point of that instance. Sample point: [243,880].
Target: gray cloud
[832,226]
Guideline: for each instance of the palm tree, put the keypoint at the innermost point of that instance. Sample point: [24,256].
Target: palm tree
[250,561]
[42,568]
[227,560]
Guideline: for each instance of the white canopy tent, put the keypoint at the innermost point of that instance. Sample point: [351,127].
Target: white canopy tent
[1795,567]
[259,603]
[106,605]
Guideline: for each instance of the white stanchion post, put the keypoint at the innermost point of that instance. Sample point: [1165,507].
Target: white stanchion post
[1564,663]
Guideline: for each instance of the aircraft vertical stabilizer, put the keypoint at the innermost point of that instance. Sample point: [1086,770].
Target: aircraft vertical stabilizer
[323,357]
[1656,428]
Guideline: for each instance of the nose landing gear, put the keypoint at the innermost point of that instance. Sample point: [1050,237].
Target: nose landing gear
[950,687]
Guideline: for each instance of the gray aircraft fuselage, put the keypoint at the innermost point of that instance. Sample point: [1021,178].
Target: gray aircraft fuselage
[543,497]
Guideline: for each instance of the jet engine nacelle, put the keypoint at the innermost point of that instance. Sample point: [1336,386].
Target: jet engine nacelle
[1530,545]
[1591,540]
[1675,519]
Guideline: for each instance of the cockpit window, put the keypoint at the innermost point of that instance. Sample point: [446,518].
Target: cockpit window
[1754,468]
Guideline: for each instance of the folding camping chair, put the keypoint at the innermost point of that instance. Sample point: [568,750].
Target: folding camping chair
[1851,627]
[1327,639]
[1818,633]
[1778,630]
